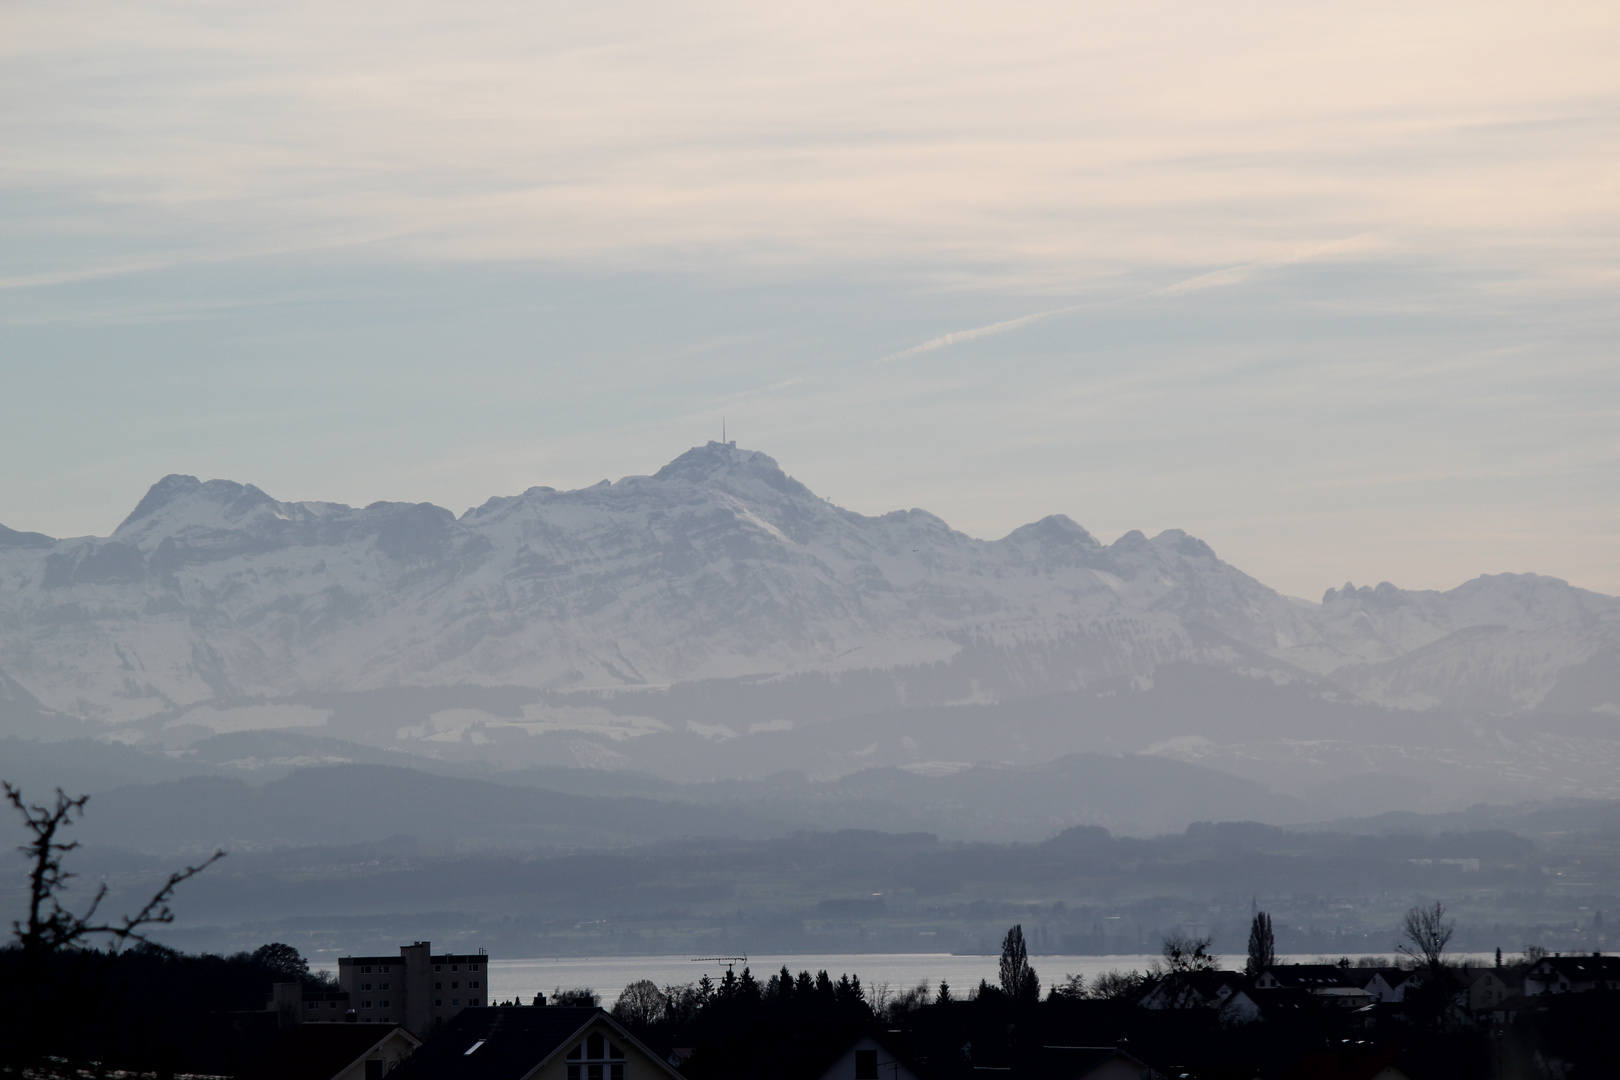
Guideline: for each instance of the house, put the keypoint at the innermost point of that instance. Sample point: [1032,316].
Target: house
[520,1042]
[1092,1063]
[1251,1005]
[1486,990]
[334,1052]
[1344,997]
[1391,984]
[1349,987]
[867,1058]
[1573,974]
[293,1004]
[415,988]
[1192,989]
[1505,1012]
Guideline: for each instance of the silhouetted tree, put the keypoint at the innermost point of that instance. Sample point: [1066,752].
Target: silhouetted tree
[579,997]
[641,1004]
[944,995]
[1183,953]
[1427,932]
[1018,980]
[1262,945]
[1117,985]
[42,988]
[282,959]
[1072,988]
[780,988]
[50,926]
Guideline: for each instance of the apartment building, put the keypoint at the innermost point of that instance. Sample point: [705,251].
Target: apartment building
[415,988]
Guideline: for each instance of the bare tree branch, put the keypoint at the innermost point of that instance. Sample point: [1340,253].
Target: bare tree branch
[1427,932]
[156,912]
[50,926]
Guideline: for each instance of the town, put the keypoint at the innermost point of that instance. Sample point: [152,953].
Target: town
[426,1015]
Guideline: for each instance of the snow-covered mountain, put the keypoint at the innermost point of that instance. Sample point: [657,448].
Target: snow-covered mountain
[214,597]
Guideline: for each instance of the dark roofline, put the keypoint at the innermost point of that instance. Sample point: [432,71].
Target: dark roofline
[563,1044]
[399,959]
[1105,1054]
[827,1061]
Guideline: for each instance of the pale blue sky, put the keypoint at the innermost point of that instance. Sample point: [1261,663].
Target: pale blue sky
[1334,289]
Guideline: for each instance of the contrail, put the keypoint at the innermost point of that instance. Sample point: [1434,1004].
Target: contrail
[1232,275]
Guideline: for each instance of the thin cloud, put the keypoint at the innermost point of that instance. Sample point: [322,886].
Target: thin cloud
[1232,275]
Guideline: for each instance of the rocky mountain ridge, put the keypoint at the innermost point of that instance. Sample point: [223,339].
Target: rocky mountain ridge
[214,598]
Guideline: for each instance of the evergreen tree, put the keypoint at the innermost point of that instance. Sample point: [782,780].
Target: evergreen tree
[782,984]
[1262,945]
[1018,980]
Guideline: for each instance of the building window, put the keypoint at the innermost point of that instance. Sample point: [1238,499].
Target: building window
[365,1004]
[312,1004]
[438,986]
[365,986]
[383,968]
[438,967]
[866,1065]
[438,1003]
[455,1003]
[331,1004]
[383,1004]
[472,1001]
[473,984]
[472,967]
[596,1059]
[455,986]
[382,986]
[366,970]
[452,967]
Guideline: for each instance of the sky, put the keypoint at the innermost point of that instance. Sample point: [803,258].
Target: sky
[1331,286]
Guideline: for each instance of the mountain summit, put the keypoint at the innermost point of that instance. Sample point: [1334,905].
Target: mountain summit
[721,566]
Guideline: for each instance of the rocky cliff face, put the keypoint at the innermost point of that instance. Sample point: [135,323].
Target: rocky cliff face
[721,566]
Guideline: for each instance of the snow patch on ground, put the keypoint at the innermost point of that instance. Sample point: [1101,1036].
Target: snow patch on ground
[937,768]
[252,718]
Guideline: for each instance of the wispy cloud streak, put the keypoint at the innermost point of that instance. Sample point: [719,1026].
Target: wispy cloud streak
[1214,279]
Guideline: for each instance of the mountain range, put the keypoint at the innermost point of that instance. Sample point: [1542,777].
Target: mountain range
[720,611]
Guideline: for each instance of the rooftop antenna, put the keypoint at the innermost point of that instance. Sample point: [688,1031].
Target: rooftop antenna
[726,960]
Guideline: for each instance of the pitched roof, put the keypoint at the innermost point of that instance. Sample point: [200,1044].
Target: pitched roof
[834,1050]
[504,1042]
[319,1051]
[1341,1067]
[1581,968]
[1072,1062]
[1279,1002]
[1318,975]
